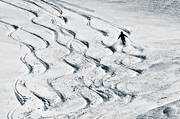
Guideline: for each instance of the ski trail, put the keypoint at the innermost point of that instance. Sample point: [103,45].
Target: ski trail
[101,31]
[72,65]
[60,95]
[142,57]
[32,49]
[139,71]
[44,100]
[30,68]
[68,32]
[53,6]
[10,113]
[56,35]
[15,27]
[81,91]
[33,12]
[22,99]
[49,12]
[38,36]
[88,17]
[112,48]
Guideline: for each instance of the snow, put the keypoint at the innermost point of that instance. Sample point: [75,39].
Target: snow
[62,59]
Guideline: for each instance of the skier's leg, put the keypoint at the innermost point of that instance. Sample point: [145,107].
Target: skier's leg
[123,42]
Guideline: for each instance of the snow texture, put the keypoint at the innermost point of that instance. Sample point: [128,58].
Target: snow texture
[62,59]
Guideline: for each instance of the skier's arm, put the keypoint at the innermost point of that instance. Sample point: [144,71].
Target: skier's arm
[119,36]
[125,36]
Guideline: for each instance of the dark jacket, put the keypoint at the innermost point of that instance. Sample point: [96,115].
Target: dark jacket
[122,36]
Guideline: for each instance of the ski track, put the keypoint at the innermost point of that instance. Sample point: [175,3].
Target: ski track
[97,95]
[10,114]
[30,68]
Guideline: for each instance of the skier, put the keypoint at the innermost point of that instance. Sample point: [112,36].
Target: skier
[122,36]
[89,21]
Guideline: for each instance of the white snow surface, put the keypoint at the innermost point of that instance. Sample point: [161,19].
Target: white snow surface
[61,59]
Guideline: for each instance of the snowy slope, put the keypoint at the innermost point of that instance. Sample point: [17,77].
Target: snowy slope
[171,7]
[68,63]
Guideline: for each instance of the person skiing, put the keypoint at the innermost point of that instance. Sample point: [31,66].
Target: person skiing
[122,36]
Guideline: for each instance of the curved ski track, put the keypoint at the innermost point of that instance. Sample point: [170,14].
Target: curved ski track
[87,82]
